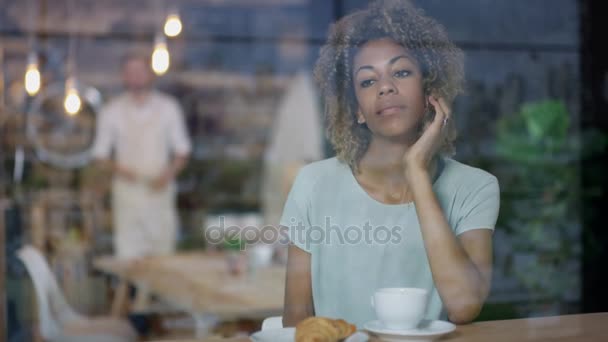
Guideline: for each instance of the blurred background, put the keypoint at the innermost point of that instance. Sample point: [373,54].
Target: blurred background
[533,115]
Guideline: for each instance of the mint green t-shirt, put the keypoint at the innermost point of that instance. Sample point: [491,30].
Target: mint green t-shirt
[358,244]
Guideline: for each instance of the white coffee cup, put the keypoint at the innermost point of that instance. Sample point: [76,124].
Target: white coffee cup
[400,308]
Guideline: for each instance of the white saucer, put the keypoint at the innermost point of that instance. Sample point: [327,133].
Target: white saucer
[426,331]
[275,335]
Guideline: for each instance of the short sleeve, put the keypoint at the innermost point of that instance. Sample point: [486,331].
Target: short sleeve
[296,212]
[480,207]
[103,142]
[179,139]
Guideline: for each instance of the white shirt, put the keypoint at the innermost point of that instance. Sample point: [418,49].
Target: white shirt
[143,136]
[359,244]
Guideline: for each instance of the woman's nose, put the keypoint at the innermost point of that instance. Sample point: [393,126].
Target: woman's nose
[386,88]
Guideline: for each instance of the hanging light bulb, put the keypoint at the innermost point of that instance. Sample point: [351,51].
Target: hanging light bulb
[173,25]
[160,56]
[72,102]
[32,75]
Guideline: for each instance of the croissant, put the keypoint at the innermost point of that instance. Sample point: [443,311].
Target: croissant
[322,329]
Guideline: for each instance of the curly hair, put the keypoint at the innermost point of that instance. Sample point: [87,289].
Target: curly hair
[441,62]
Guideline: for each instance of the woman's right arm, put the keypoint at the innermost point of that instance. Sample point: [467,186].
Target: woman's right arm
[298,303]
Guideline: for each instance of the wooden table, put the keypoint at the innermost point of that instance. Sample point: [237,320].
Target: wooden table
[584,327]
[199,283]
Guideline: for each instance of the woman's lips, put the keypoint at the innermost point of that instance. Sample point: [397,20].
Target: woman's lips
[390,110]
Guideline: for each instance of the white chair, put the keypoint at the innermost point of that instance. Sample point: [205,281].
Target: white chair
[270,323]
[58,321]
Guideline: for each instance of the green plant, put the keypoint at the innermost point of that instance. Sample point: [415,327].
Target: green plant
[537,168]
[537,133]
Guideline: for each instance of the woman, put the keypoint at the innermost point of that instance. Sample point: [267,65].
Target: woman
[391,209]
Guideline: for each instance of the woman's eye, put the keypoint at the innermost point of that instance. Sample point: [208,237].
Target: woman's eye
[402,73]
[366,83]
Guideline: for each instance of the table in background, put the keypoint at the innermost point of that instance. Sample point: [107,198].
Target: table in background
[200,284]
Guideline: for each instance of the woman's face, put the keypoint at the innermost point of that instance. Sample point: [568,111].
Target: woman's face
[388,87]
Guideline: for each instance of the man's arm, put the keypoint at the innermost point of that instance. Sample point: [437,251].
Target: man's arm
[108,165]
[171,172]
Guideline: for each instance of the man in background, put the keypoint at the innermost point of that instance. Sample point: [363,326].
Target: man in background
[142,139]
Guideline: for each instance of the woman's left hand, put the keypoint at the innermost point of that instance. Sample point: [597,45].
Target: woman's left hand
[420,154]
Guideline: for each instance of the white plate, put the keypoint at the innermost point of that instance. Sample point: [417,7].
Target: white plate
[426,331]
[275,335]
[288,335]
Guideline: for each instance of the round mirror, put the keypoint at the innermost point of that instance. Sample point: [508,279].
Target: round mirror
[58,138]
